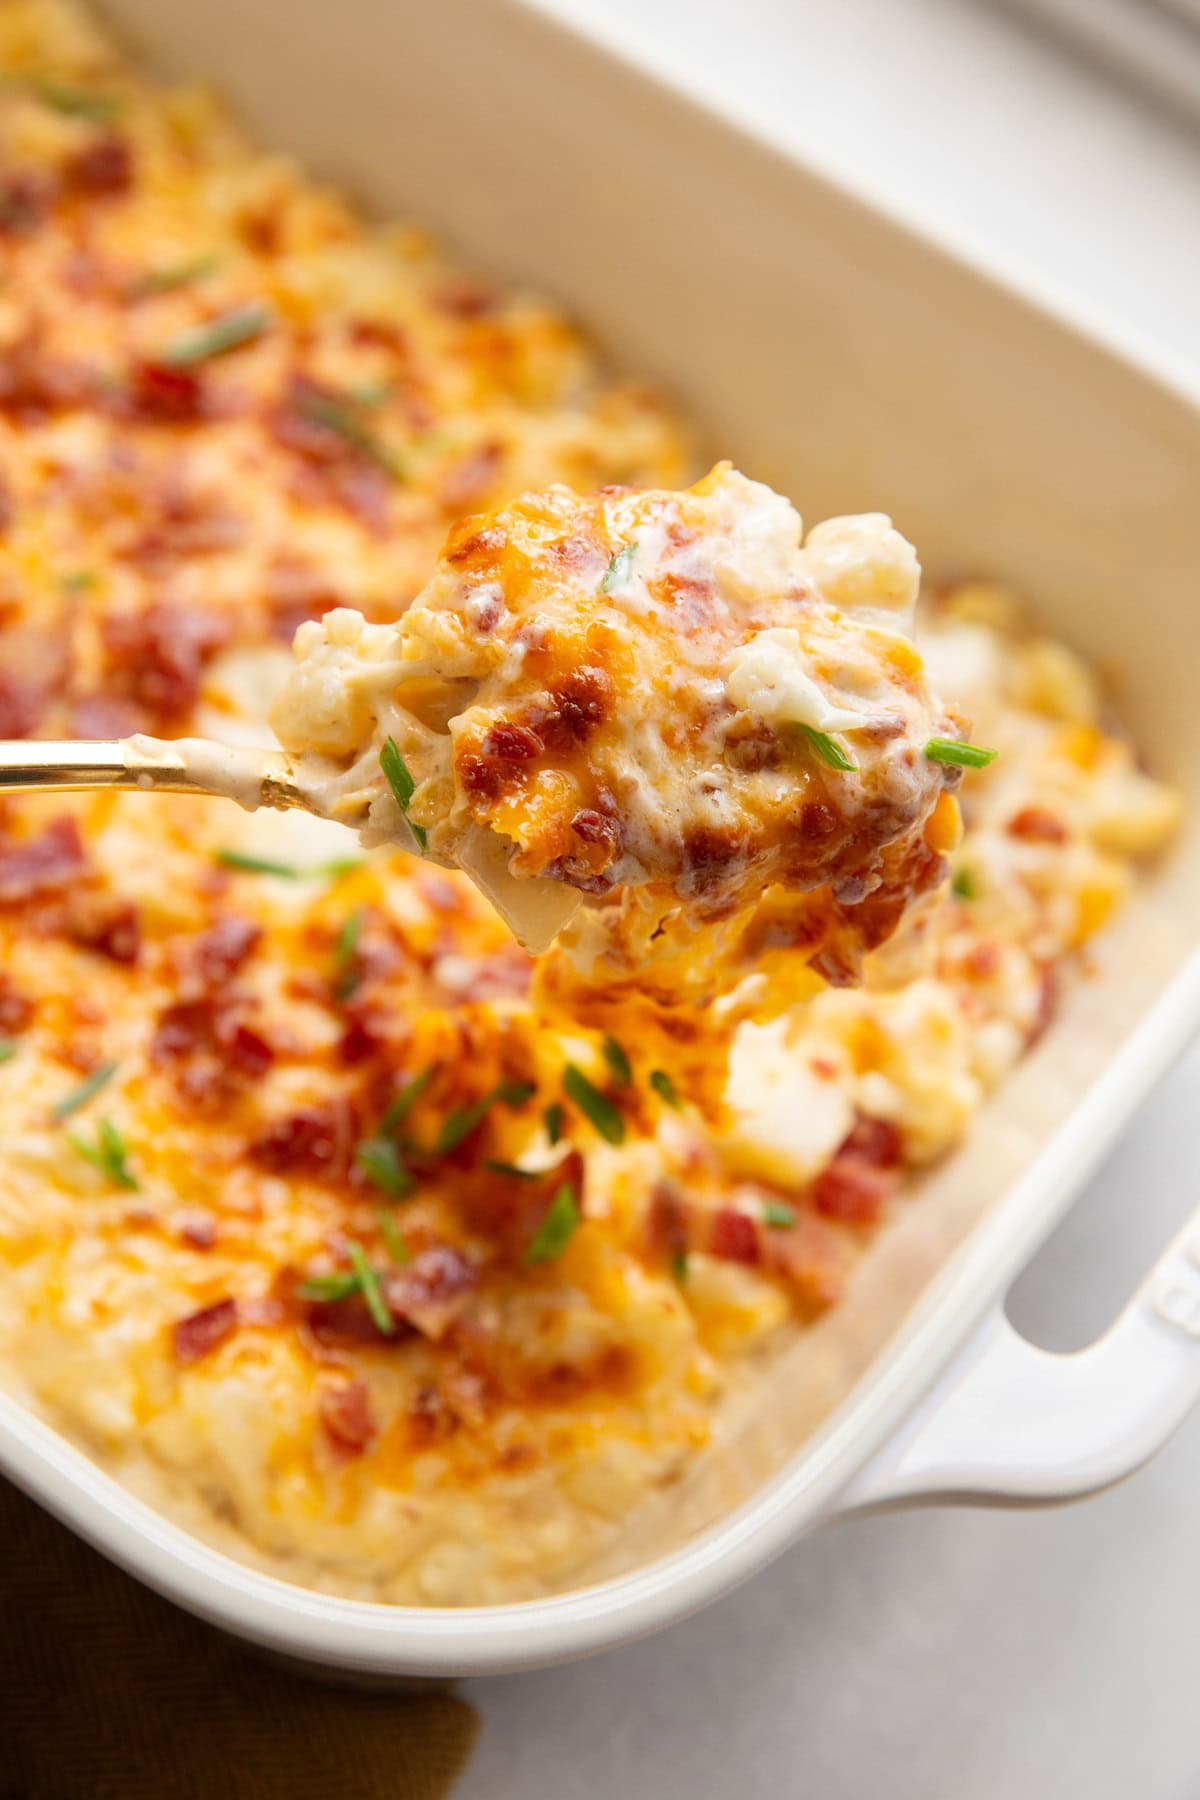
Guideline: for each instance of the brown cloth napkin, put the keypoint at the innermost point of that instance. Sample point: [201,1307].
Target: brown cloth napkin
[108,1692]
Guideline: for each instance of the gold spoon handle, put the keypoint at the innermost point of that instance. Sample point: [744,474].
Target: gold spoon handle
[151,765]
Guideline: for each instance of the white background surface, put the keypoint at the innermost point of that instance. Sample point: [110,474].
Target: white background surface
[944,1654]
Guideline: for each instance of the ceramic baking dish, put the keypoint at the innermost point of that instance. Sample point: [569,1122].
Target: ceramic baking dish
[854,362]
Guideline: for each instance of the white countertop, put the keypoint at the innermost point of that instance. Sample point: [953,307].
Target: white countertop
[943,1654]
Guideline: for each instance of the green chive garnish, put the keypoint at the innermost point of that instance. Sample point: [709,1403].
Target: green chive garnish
[964,884]
[619,569]
[776,1213]
[399,779]
[81,581]
[384,1167]
[371,393]
[553,1118]
[679,1265]
[598,1107]
[241,325]
[461,1122]
[827,749]
[618,1062]
[397,1249]
[338,417]
[75,102]
[7,1050]
[664,1087]
[328,1287]
[965,756]
[79,1096]
[372,1293]
[263,865]
[557,1227]
[401,1102]
[344,953]
[514,1169]
[108,1154]
[258,865]
[174,275]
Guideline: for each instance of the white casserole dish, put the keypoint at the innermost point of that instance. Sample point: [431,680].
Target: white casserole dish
[852,362]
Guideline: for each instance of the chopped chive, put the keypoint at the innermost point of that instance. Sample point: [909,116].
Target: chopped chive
[462,1120]
[344,953]
[515,1169]
[370,393]
[81,581]
[964,884]
[827,749]
[263,865]
[619,569]
[598,1107]
[515,1093]
[108,1154]
[76,102]
[336,416]
[258,865]
[397,1249]
[399,779]
[174,275]
[401,1102]
[372,1293]
[328,1287]
[679,1265]
[557,1227]
[241,325]
[7,1050]
[964,756]
[553,1118]
[384,1167]
[79,1096]
[341,865]
[664,1087]
[776,1213]
[618,1062]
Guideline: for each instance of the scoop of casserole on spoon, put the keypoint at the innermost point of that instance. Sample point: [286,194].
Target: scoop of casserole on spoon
[657,702]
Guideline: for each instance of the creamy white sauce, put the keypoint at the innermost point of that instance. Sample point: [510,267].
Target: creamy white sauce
[769,676]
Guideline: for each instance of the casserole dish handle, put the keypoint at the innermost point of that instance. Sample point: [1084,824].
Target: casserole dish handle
[1011,1424]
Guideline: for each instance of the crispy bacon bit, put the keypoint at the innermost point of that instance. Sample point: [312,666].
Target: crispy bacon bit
[202,1331]
[248,1051]
[345,1414]
[167,395]
[101,922]
[197,1228]
[511,743]
[735,1236]
[432,1290]
[666,1224]
[1038,826]
[26,196]
[712,854]
[105,166]
[582,703]
[810,1258]
[875,1140]
[470,481]
[102,716]
[159,655]
[34,383]
[295,591]
[218,953]
[317,1141]
[461,297]
[853,1190]
[16,1009]
[338,470]
[594,828]
[43,863]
